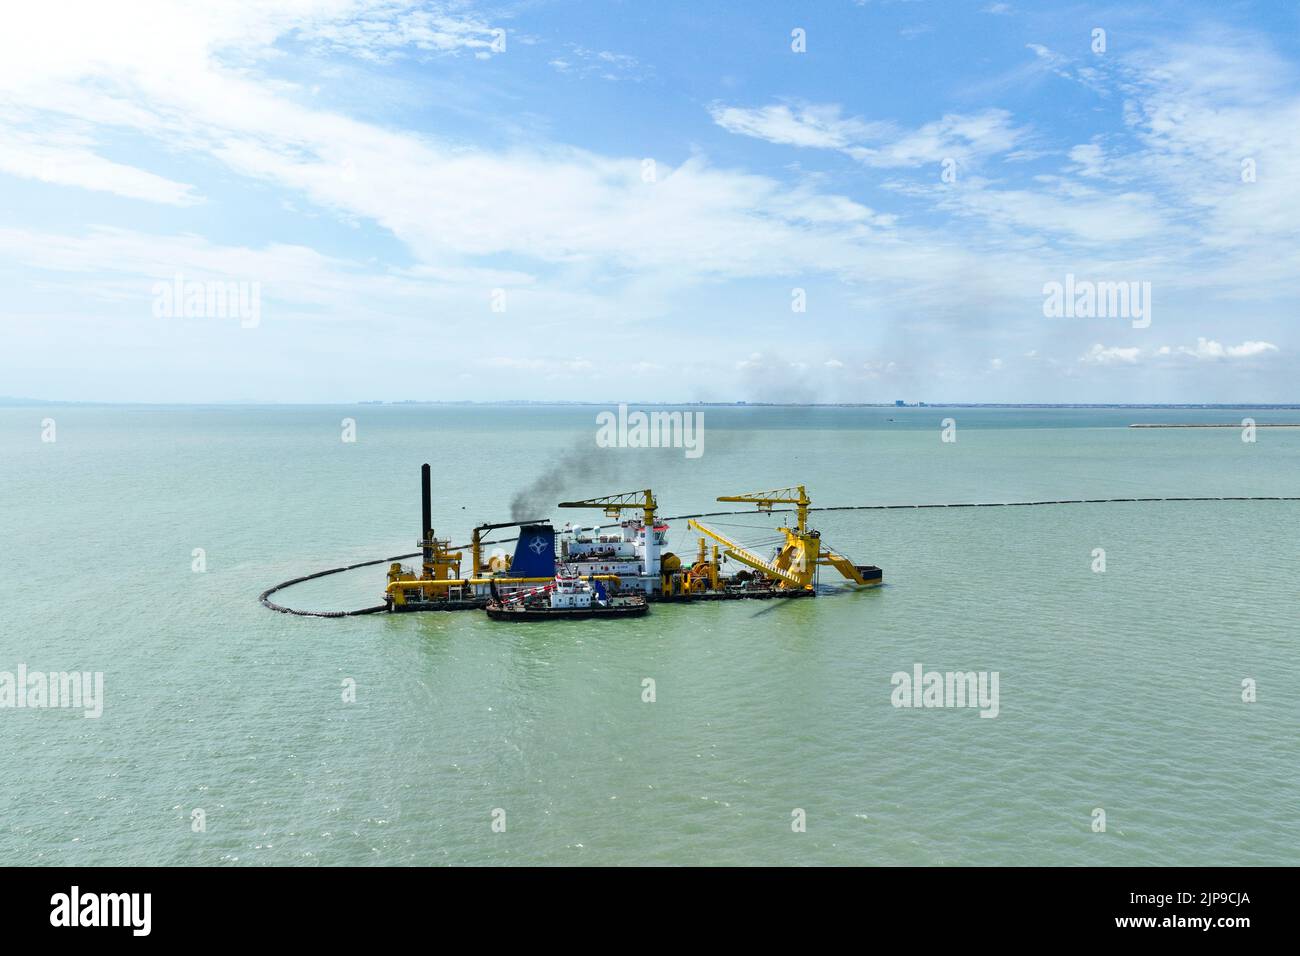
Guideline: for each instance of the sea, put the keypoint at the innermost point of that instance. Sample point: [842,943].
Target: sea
[1144,653]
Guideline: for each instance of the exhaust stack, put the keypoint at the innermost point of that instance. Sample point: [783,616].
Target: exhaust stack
[426,514]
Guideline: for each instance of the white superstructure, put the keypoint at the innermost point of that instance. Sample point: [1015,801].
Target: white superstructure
[627,549]
[571,592]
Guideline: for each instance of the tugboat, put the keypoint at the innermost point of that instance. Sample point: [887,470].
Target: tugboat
[568,596]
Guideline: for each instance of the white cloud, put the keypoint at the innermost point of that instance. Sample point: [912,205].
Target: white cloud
[385,31]
[1248,349]
[551,205]
[879,144]
[66,160]
[1204,350]
[877,369]
[1061,207]
[1089,159]
[955,136]
[819,127]
[1202,113]
[605,64]
[573,232]
[1114,355]
[1209,350]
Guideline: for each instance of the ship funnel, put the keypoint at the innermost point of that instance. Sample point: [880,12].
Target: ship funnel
[535,552]
[426,514]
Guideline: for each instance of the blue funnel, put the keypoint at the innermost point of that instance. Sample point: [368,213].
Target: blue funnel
[534,552]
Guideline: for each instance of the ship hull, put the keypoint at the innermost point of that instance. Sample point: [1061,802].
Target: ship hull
[498,613]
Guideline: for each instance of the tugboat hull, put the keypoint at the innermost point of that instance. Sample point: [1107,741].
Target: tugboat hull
[498,613]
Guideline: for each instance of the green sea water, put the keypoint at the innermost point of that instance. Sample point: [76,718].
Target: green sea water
[1119,691]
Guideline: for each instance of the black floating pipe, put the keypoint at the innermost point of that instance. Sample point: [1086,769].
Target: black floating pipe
[426,514]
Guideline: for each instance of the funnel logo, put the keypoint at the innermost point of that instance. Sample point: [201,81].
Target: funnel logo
[534,552]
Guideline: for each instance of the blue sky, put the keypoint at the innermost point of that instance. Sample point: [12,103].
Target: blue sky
[617,201]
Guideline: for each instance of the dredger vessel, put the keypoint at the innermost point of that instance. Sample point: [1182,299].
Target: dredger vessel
[629,556]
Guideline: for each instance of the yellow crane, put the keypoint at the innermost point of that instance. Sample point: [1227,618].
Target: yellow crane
[790,576]
[614,504]
[796,563]
[796,496]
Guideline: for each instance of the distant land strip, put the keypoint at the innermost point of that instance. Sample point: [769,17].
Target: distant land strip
[1214,425]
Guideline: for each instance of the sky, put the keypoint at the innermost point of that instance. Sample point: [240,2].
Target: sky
[628,201]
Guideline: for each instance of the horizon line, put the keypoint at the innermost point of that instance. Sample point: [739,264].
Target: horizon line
[19,402]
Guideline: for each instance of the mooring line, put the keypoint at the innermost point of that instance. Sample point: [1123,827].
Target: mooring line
[265,596]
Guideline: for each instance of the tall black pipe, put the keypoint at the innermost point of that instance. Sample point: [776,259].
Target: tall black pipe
[427,513]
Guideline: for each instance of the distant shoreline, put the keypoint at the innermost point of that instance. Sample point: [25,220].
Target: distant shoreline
[1213,425]
[7,402]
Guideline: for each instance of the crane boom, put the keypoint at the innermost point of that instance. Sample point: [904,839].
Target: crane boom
[796,496]
[745,556]
[846,567]
[803,553]
[613,505]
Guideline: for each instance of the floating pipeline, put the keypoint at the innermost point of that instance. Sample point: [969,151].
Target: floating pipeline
[265,600]
[265,596]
